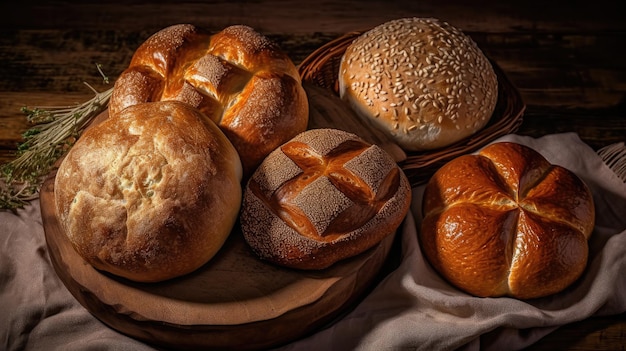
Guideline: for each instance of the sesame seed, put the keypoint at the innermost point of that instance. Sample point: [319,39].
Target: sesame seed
[429,64]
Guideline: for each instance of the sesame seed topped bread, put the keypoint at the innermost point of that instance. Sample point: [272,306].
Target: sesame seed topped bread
[322,197]
[237,77]
[421,80]
[151,194]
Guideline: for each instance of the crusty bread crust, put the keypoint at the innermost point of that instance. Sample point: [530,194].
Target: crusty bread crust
[237,77]
[324,196]
[151,194]
[507,222]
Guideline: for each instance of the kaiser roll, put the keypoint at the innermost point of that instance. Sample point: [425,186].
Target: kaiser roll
[322,197]
[237,77]
[151,194]
[421,80]
[507,222]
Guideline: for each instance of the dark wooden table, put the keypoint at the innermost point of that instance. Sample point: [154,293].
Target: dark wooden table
[566,59]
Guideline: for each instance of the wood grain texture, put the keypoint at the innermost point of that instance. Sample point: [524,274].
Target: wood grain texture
[307,16]
[41,70]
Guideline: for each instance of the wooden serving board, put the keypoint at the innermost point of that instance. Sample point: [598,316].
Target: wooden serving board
[235,301]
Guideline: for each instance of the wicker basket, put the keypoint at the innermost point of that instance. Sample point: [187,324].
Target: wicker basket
[321,68]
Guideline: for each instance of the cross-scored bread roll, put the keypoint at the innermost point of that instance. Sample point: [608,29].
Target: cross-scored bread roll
[421,80]
[507,222]
[151,194]
[239,78]
[323,196]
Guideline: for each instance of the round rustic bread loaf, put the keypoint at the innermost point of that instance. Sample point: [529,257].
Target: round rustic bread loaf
[507,222]
[151,194]
[322,197]
[237,77]
[421,80]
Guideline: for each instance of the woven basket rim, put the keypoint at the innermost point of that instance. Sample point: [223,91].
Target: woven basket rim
[321,68]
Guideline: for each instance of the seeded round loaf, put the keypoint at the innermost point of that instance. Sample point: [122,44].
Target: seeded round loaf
[421,80]
[237,77]
[151,194]
[507,222]
[322,197]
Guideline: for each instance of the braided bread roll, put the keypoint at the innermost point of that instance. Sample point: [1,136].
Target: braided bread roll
[507,222]
[238,78]
[322,197]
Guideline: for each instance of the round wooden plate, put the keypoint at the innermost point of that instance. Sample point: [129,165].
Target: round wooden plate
[235,301]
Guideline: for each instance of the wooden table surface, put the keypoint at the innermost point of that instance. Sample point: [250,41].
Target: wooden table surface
[566,60]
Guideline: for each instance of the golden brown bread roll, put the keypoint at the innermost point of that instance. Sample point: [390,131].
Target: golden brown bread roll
[507,222]
[151,194]
[323,196]
[237,77]
[421,80]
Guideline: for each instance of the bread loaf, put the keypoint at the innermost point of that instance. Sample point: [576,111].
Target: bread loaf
[151,194]
[237,77]
[507,222]
[421,80]
[322,197]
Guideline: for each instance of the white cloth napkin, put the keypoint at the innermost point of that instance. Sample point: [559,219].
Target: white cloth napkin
[38,312]
[411,309]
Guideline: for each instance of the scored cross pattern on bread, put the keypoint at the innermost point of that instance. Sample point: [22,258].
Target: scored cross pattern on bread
[321,197]
[329,176]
